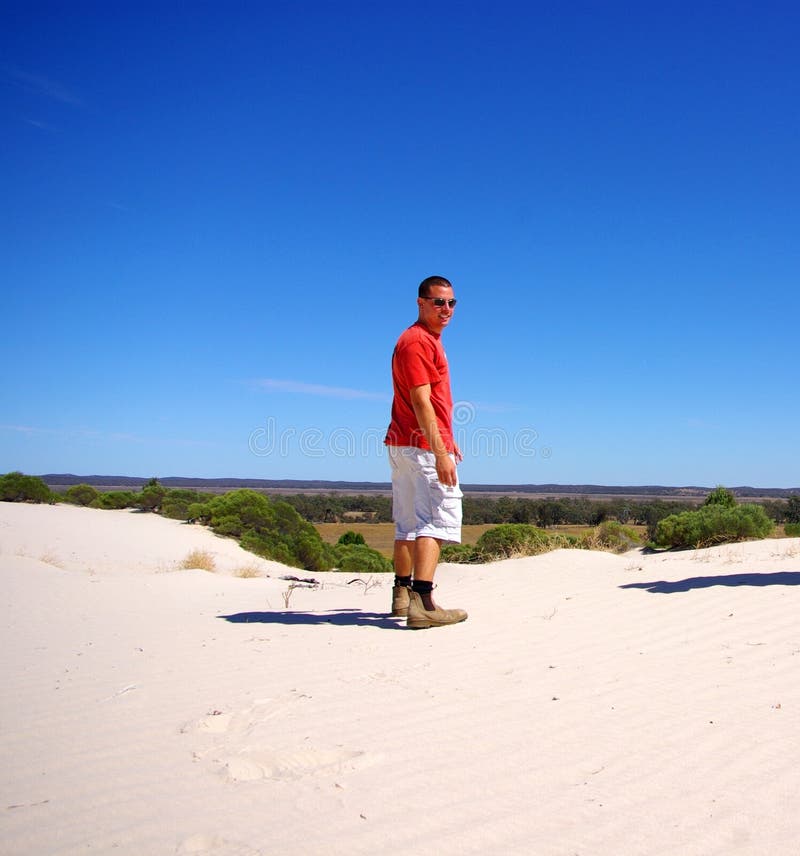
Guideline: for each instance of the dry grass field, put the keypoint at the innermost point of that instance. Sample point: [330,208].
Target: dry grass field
[380,536]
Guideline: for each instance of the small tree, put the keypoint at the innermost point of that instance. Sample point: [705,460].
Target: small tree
[350,537]
[793,509]
[81,494]
[16,487]
[358,558]
[151,497]
[115,499]
[721,496]
[512,539]
[176,503]
[713,524]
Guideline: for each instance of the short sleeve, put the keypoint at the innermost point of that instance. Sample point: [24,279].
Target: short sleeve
[416,364]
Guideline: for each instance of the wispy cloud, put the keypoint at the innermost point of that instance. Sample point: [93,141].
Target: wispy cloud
[43,126]
[301,388]
[25,429]
[49,88]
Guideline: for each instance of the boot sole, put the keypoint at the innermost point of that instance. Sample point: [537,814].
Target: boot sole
[425,623]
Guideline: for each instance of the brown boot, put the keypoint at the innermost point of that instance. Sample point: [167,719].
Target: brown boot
[400,597]
[419,617]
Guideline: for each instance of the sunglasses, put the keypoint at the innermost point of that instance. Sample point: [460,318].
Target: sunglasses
[440,301]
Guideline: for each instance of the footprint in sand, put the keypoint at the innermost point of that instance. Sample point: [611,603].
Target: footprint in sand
[251,765]
[235,747]
[242,722]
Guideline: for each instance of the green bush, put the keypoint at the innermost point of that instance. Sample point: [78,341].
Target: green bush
[721,496]
[312,553]
[238,511]
[115,500]
[16,487]
[176,503]
[269,528]
[351,537]
[612,536]
[512,539]
[268,546]
[360,559]
[713,524]
[81,494]
[464,554]
[151,497]
[198,512]
[652,514]
[792,529]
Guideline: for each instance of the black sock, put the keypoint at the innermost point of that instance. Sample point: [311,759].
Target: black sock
[424,589]
[402,581]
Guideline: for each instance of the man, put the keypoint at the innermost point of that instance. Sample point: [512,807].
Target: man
[426,498]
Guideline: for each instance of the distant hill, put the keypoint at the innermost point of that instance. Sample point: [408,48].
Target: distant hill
[296,485]
[64,480]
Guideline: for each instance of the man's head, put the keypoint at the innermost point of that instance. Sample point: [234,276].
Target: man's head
[436,303]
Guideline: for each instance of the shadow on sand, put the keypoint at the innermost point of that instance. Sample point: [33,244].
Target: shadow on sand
[337,617]
[779,578]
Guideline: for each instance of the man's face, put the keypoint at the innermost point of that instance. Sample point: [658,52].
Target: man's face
[434,317]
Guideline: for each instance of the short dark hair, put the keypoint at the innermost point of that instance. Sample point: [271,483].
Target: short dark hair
[430,282]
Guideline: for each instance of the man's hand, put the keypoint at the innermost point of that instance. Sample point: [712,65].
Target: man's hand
[446,471]
[426,418]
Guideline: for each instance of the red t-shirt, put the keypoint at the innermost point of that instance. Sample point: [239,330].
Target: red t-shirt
[419,358]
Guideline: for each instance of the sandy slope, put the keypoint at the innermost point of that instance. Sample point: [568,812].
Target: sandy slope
[592,704]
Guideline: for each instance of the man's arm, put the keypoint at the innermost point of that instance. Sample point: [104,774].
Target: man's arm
[426,419]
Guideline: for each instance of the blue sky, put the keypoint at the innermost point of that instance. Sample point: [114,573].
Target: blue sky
[214,218]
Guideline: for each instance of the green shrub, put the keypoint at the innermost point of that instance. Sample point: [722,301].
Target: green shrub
[360,559]
[16,487]
[652,514]
[512,539]
[115,500]
[198,512]
[351,537]
[269,528]
[713,524]
[238,511]
[721,496]
[151,497]
[465,554]
[81,494]
[268,546]
[177,502]
[792,529]
[312,553]
[230,525]
[612,536]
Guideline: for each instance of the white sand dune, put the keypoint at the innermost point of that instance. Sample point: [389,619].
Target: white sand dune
[592,704]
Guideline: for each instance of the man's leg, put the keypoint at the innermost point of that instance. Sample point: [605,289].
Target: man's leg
[403,568]
[422,610]
[404,519]
[403,558]
[426,558]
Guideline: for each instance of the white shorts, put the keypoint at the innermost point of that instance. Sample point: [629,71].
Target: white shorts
[421,505]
